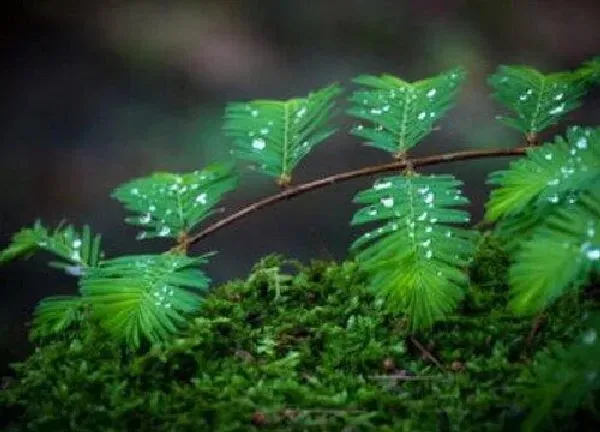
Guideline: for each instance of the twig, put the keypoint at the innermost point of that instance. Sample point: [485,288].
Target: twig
[427,354]
[399,377]
[291,192]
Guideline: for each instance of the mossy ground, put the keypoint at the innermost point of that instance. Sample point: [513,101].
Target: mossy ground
[314,351]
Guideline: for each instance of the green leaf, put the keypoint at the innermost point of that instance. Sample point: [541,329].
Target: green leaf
[276,135]
[55,314]
[589,72]
[566,376]
[77,251]
[416,258]
[561,254]
[144,296]
[549,176]
[400,113]
[169,205]
[538,100]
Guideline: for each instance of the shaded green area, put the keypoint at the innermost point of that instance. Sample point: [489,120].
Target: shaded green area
[303,348]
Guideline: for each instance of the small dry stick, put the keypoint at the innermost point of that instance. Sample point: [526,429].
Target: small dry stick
[427,354]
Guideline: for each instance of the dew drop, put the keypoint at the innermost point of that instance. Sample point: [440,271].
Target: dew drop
[421,115]
[558,109]
[201,198]
[387,202]
[77,243]
[431,93]
[135,191]
[558,96]
[553,182]
[254,113]
[581,143]
[548,156]
[165,231]
[422,216]
[259,144]
[590,337]
[382,185]
[553,199]
[264,131]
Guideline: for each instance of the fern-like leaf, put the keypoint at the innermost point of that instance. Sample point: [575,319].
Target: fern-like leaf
[589,72]
[78,251]
[416,258]
[54,314]
[276,135]
[400,113]
[146,296]
[169,205]
[561,254]
[550,175]
[566,376]
[538,100]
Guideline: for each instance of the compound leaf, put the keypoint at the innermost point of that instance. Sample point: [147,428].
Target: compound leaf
[538,100]
[145,296]
[416,257]
[78,251]
[399,113]
[169,205]
[276,135]
[550,175]
[561,254]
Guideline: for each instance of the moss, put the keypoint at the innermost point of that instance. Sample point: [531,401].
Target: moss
[298,348]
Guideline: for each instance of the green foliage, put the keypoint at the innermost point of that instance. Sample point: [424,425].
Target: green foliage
[77,251]
[56,314]
[402,113]
[562,388]
[169,205]
[538,100]
[145,295]
[590,71]
[415,258]
[551,174]
[326,356]
[562,254]
[276,135]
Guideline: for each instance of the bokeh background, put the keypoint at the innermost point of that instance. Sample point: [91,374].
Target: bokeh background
[95,93]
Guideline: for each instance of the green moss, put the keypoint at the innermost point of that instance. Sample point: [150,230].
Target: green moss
[298,348]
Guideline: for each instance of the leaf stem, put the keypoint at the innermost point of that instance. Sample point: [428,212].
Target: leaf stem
[291,192]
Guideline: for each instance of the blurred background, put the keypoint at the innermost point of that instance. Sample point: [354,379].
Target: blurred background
[95,93]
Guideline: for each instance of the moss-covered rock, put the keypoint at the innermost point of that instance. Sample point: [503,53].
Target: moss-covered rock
[299,348]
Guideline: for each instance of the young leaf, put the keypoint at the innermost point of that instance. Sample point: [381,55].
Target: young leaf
[78,251]
[589,72]
[566,376]
[416,259]
[276,135]
[168,205]
[54,314]
[400,113]
[538,100]
[144,296]
[549,175]
[561,254]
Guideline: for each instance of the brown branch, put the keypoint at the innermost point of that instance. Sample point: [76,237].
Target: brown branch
[291,192]
[426,354]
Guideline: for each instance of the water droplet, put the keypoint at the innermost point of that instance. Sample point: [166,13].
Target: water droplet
[387,202]
[165,231]
[431,93]
[558,97]
[375,111]
[428,228]
[422,216]
[523,97]
[77,243]
[372,211]
[558,109]
[421,115]
[301,112]
[548,156]
[581,143]
[145,219]
[135,191]
[529,91]
[590,337]
[432,114]
[254,113]
[201,198]
[360,127]
[382,185]
[553,199]
[264,131]
[259,143]
[553,182]
[429,198]
[428,254]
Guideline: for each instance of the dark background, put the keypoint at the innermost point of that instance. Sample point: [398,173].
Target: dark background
[95,93]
